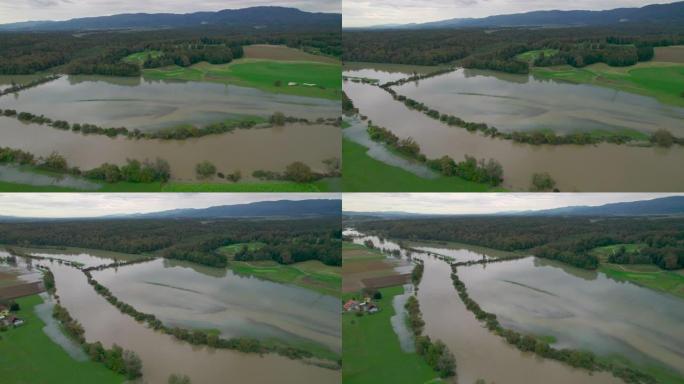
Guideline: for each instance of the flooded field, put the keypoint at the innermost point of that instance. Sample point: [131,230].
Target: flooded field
[582,309]
[245,150]
[479,353]
[597,168]
[20,175]
[522,103]
[162,355]
[384,73]
[193,296]
[136,103]
[85,257]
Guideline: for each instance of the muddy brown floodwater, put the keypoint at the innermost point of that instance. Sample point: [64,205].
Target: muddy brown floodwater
[245,150]
[479,353]
[162,355]
[589,168]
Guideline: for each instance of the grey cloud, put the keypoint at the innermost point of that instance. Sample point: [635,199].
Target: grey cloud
[473,203]
[367,12]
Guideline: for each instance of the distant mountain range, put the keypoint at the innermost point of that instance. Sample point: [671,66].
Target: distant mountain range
[672,205]
[656,13]
[253,17]
[259,210]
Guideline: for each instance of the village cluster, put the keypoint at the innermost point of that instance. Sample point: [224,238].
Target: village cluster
[363,306]
[7,317]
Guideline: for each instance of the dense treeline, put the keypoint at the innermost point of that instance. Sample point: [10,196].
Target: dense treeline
[185,56]
[173,133]
[566,239]
[485,48]
[133,171]
[666,257]
[528,343]
[325,247]
[191,240]
[479,171]
[100,52]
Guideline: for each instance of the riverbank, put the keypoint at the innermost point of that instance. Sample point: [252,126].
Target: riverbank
[29,355]
[371,350]
[364,173]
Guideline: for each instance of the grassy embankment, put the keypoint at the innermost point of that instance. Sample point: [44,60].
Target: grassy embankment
[310,274]
[262,74]
[531,56]
[646,275]
[363,173]
[371,351]
[27,355]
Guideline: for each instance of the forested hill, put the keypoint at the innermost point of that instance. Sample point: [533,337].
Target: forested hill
[673,205]
[254,18]
[672,13]
[281,208]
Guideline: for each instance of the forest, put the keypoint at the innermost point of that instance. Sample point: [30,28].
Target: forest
[186,239]
[102,52]
[497,49]
[567,239]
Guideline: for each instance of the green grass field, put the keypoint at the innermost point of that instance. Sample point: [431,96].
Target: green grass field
[263,74]
[27,355]
[140,57]
[371,352]
[531,56]
[664,81]
[646,275]
[649,276]
[325,185]
[363,173]
[310,274]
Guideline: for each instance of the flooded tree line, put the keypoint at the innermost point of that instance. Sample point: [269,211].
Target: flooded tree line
[661,138]
[566,239]
[528,343]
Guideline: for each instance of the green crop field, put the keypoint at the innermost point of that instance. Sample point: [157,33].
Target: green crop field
[311,274]
[663,81]
[646,275]
[267,75]
[363,173]
[27,355]
[371,351]
[140,57]
[531,56]
[649,276]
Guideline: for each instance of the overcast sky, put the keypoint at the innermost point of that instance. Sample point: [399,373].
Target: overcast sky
[360,13]
[100,204]
[23,10]
[477,203]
